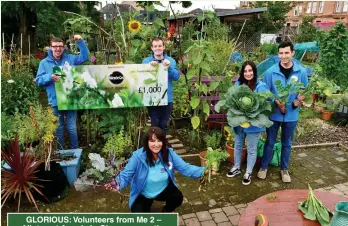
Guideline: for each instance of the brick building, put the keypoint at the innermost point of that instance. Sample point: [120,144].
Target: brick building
[325,13]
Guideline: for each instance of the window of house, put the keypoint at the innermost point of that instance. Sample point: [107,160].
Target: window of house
[296,11]
[309,6]
[321,7]
[314,7]
[345,6]
[339,6]
[300,10]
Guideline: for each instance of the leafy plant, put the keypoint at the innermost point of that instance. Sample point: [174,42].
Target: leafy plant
[213,140]
[117,145]
[285,91]
[245,107]
[21,177]
[99,174]
[334,55]
[308,33]
[271,196]
[214,158]
[180,98]
[17,88]
[314,209]
[230,139]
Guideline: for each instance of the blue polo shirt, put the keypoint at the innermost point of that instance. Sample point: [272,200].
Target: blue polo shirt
[157,180]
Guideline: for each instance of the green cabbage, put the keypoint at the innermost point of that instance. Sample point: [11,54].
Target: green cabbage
[244,105]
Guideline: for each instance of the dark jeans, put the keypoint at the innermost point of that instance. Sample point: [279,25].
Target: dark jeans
[70,122]
[160,115]
[171,195]
[288,129]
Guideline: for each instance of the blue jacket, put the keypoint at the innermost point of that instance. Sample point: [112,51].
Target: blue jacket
[137,169]
[274,74]
[260,88]
[45,71]
[173,73]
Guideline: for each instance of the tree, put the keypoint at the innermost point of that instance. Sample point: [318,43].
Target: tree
[270,21]
[39,18]
[308,31]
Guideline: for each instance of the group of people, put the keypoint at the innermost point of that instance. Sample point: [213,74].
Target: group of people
[150,169]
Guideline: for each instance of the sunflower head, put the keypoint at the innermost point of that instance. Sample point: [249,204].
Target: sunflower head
[134,26]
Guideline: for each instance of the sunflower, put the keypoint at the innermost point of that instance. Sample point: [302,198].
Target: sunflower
[134,26]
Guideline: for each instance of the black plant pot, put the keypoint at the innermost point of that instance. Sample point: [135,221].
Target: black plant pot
[54,185]
[180,122]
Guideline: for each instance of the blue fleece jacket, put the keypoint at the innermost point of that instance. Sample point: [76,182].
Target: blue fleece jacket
[260,88]
[137,169]
[173,73]
[273,74]
[45,71]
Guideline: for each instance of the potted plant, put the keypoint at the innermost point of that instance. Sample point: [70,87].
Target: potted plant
[19,176]
[319,107]
[230,149]
[328,112]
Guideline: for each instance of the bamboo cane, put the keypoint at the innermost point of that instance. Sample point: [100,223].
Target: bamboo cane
[11,46]
[21,47]
[29,49]
[3,41]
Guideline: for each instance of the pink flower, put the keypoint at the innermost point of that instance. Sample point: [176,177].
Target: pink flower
[93,59]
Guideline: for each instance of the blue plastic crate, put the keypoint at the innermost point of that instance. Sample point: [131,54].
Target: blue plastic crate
[71,168]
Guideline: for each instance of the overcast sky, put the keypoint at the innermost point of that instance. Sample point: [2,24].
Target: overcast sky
[203,4]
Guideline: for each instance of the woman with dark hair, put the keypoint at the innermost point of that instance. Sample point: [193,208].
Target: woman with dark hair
[247,76]
[150,171]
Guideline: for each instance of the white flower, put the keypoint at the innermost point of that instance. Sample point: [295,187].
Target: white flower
[87,78]
[68,84]
[293,79]
[117,101]
[10,81]
[102,92]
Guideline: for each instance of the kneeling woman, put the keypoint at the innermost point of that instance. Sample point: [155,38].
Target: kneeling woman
[151,173]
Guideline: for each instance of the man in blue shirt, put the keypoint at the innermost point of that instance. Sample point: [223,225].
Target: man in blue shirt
[286,115]
[160,114]
[57,56]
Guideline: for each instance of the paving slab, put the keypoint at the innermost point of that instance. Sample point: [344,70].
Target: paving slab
[187,216]
[208,223]
[204,216]
[234,219]
[192,222]
[217,210]
[219,217]
[230,210]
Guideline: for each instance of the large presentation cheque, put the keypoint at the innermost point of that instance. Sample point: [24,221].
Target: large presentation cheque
[111,86]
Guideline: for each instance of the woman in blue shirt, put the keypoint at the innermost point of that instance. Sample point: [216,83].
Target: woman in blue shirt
[247,76]
[150,171]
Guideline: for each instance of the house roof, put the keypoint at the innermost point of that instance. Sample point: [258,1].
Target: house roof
[223,13]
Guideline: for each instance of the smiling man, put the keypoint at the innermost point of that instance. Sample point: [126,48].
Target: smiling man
[160,114]
[45,78]
[285,115]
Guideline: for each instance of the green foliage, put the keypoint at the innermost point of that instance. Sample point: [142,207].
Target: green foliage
[18,89]
[270,21]
[214,157]
[284,91]
[245,106]
[221,50]
[309,33]
[334,55]
[8,129]
[180,97]
[313,209]
[118,144]
[262,52]
[213,140]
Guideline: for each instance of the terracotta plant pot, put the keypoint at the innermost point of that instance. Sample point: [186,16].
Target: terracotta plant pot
[318,109]
[326,115]
[230,151]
